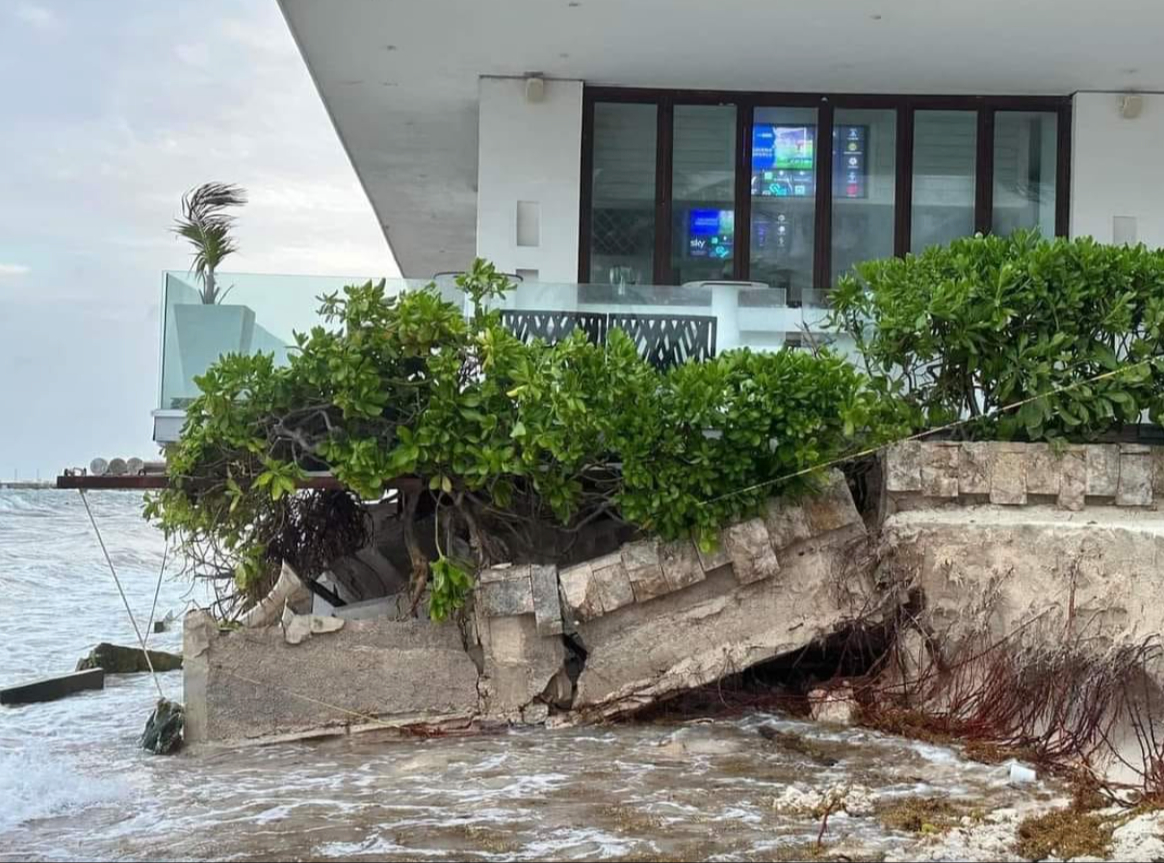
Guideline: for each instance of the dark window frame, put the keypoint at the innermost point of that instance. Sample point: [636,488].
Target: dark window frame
[745,103]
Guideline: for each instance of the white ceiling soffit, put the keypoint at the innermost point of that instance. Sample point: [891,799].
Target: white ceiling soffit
[399,77]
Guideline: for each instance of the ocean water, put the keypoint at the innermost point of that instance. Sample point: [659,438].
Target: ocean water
[75,786]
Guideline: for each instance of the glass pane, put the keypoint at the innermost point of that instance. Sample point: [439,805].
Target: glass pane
[1025,155]
[622,236]
[945,152]
[703,192]
[864,177]
[784,198]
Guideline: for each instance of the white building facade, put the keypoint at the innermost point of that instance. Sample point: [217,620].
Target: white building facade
[665,142]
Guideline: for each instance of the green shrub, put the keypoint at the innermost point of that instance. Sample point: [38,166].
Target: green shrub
[964,329]
[510,441]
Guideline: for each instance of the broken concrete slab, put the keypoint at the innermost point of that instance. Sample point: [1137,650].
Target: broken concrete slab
[714,628]
[546,599]
[52,688]
[252,685]
[643,568]
[519,665]
[830,509]
[748,546]
[297,628]
[579,592]
[115,659]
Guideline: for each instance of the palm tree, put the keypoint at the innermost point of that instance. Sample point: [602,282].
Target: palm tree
[207,225]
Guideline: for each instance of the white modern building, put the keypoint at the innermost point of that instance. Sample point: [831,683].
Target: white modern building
[663,164]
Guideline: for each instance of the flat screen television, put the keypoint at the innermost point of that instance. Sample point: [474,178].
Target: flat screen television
[710,233]
[784,160]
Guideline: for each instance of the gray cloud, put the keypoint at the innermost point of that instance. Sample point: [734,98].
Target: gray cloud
[114,116]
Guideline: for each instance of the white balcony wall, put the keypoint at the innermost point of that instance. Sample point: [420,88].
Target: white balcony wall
[1117,169]
[529,159]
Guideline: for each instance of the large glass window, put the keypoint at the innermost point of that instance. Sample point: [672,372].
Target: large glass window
[945,150]
[622,228]
[676,197]
[1026,147]
[703,193]
[783,190]
[864,186]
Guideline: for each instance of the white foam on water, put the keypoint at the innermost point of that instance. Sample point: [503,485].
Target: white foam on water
[37,785]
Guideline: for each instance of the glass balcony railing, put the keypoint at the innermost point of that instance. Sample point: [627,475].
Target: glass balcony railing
[671,324]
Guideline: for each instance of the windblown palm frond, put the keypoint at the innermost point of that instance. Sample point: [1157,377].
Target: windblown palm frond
[206,224]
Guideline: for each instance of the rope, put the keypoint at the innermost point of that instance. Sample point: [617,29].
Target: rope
[124,599]
[947,427]
[157,590]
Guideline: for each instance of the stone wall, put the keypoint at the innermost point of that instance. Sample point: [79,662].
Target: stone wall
[597,639]
[924,474]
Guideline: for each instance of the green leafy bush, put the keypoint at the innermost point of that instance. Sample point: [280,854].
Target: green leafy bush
[964,329]
[510,442]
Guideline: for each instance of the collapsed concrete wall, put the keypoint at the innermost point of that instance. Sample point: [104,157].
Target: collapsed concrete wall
[595,640]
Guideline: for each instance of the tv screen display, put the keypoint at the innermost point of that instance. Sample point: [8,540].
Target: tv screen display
[789,148]
[783,160]
[710,233]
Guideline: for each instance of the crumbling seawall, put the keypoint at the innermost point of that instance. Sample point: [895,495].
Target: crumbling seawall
[973,539]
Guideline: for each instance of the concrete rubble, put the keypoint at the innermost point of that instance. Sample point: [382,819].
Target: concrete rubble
[999,535]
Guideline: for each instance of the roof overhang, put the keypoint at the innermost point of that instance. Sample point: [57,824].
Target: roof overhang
[399,77]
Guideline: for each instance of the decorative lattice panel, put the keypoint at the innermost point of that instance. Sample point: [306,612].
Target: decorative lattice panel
[669,340]
[553,326]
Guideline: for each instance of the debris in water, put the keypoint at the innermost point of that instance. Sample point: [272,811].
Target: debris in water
[53,687]
[163,731]
[128,660]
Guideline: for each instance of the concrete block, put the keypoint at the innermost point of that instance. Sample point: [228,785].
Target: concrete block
[611,581]
[787,522]
[903,467]
[1044,469]
[975,462]
[750,550]
[680,562]
[519,665]
[53,688]
[714,559]
[580,592]
[1073,479]
[641,561]
[831,509]
[505,593]
[115,659]
[252,685]
[546,599]
[1008,479]
[939,470]
[297,628]
[1103,469]
[1135,482]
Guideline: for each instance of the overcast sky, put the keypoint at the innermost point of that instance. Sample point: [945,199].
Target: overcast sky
[108,112]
